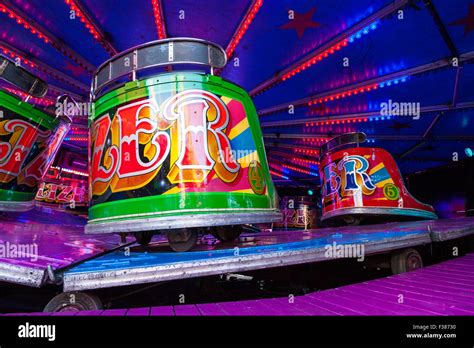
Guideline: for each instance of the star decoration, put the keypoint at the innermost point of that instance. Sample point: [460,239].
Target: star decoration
[400,125]
[467,21]
[74,69]
[302,22]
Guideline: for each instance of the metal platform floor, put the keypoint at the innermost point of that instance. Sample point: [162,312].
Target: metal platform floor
[446,288]
[255,251]
[83,262]
[59,239]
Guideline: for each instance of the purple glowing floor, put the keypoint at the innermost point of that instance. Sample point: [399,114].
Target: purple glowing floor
[443,289]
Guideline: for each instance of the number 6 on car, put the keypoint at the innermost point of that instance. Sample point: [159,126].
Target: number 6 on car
[364,184]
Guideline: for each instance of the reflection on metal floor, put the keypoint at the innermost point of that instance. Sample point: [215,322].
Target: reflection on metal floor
[58,238]
[265,250]
[252,252]
[443,289]
[80,262]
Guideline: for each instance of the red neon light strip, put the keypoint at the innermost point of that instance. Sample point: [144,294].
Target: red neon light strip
[307,152]
[16,56]
[159,21]
[23,23]
[276,166]
[243,27]
[343,121]
[38,101]
[76,139]
[313,60]
[312,141]
[348,93]
[91,27]
[302,161]
[284,166]
[304,171]
[35,30]
[277,174]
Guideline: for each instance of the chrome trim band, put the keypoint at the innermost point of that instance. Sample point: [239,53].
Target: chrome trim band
[21,78]
[380,211]
[16,206]
[155,54]
[183,221]
[200,268]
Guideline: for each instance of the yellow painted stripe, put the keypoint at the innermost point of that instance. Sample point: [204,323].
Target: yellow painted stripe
[175,189]
[386,181]
[226,100]
[239,128]
[245,161]
[376,168]
[244,191]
